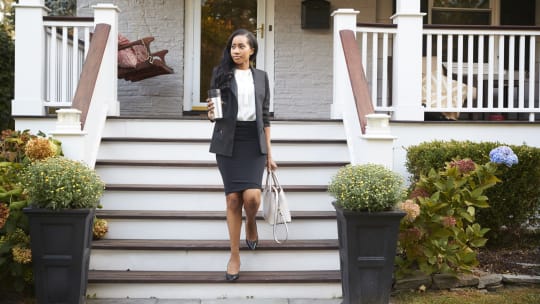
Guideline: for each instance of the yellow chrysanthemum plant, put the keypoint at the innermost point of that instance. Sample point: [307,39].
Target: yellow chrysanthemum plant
[367,187]
[61,183]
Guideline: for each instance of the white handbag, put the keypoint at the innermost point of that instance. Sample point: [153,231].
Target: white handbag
[275,208]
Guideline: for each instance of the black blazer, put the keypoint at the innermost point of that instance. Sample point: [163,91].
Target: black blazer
[223,134]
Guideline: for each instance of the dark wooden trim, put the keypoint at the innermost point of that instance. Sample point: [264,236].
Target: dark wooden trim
[206,188]
[210,245]
[202,277]
[199,215]
[90,70]
[68,18]
[178,117]
[207,140]
[377,25]
[483,27]
[359,83]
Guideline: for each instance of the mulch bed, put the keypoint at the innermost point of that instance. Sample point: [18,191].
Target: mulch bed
[525,261]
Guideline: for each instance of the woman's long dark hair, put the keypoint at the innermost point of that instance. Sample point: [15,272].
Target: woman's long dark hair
[224,72]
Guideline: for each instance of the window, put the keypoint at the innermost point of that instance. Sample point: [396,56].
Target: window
[460,12]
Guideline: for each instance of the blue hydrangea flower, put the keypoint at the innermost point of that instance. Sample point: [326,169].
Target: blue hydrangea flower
[503,155]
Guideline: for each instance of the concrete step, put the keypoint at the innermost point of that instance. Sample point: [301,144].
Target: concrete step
[206,172]
[130,148]
[309,225]
[197,128]
[212,284]
[212,255]
[176,199]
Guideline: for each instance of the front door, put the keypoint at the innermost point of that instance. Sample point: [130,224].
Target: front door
[208,25]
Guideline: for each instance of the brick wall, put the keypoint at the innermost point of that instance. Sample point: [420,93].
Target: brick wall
[164,20]
[303,60]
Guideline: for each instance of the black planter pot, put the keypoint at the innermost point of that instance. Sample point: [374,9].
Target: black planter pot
[367,249]
[60,243]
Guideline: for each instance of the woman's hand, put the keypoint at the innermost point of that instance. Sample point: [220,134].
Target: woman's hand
[210,108]
[270,164]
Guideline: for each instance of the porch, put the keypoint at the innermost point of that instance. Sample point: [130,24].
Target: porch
[462,72]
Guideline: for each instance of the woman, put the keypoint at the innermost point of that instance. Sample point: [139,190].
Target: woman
[241,139]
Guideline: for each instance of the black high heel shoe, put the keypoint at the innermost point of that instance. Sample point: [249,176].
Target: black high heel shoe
[252,244]
[231,277]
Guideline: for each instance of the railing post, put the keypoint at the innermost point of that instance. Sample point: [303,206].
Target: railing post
[68,131]
[344,19]
[378,147]
[407,62]
[107,81]
[29,58]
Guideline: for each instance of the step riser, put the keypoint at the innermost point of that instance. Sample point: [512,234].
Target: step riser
[217,291]
[196,260]
[199,151]
[214,229]
[153,175]
[202,201]
[203,129]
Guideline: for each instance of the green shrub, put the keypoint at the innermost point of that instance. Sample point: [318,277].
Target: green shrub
[366,187]
[439,233]
[15,253]
[7,78]
[514,202]
[62,183]
[15,267]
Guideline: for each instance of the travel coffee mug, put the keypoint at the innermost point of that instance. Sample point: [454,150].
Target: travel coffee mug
[215,96]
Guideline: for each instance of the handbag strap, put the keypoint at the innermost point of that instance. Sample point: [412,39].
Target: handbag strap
[278,213]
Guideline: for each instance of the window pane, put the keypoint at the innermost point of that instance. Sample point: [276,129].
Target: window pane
[461,3]
[219,18]
[461,18]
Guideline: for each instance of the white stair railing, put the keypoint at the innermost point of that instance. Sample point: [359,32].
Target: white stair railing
[66,46]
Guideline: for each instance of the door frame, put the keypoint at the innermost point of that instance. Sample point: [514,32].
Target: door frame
[192,46]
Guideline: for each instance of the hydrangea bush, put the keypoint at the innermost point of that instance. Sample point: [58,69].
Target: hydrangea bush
[440,232]
[367,187]
[514,204]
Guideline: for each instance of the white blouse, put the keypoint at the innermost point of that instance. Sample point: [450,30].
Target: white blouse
[246,95]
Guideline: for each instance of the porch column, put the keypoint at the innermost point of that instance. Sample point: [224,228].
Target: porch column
[407,63]
[107,81]
[29,58]
[344,19]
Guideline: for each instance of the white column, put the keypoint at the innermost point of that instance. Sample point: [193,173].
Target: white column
[29,58]
[407,62]
[344,19]
[68,132]
[107,82]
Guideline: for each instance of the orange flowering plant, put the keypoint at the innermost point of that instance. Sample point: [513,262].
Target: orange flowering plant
[17,149]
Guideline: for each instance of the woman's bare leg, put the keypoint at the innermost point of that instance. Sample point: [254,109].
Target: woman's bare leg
[234,223]
[252,201]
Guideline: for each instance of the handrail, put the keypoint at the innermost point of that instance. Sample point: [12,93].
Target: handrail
[90,70]
[357,77]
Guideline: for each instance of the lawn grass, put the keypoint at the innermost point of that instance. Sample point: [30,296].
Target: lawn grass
[509,295]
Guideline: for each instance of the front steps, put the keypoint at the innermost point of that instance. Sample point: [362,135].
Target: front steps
[165,206]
